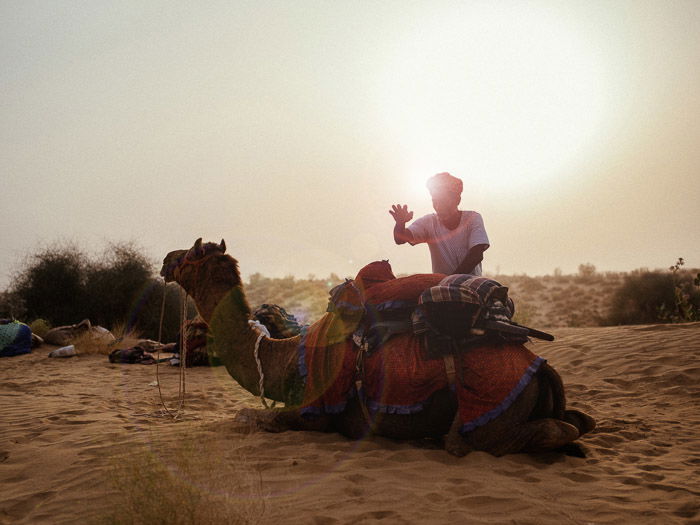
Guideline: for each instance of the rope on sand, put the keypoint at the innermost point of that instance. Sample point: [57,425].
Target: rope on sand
[183,355]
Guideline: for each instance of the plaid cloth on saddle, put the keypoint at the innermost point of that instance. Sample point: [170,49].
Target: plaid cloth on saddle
[448,313]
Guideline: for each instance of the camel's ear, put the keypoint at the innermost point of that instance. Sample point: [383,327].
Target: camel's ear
[222,246]
[198,247]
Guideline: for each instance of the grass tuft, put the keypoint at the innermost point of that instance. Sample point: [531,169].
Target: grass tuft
[91,343]
[188,483]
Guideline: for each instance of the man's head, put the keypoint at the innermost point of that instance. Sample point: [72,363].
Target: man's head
[446,192]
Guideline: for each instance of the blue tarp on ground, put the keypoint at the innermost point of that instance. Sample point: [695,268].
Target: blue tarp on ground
[15,339]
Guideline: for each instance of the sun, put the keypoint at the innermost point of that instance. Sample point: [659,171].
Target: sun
[509,94]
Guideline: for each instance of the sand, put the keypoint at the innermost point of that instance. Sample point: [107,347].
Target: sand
[68,425]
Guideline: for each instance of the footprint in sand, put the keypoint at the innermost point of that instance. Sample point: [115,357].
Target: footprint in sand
[18,508]
[375,515]
[357,478]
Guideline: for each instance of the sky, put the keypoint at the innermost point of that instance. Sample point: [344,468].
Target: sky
[290,128]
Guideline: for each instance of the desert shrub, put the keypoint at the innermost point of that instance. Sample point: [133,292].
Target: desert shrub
[40,327]
[11,306]
[52,285]
[115,282]
[61,285]
[586,270]
[524,313]
[587,274]
[686,292]
[531,285]
[650,297]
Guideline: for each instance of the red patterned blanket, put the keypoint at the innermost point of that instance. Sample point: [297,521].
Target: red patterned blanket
[397,378]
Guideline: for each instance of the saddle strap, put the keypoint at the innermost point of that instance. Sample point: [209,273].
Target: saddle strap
[450,368]
[359,374]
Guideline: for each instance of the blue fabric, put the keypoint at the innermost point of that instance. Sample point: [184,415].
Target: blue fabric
[301,352]
[16,339]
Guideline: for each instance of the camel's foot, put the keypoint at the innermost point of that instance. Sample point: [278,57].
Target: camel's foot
[543,435]
[280,420]
[456,445]
[260,419]
[454,442]
[574,450]
[583,422]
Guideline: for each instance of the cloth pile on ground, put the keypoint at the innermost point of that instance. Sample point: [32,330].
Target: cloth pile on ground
[141,353]
[15,338]
[132,355]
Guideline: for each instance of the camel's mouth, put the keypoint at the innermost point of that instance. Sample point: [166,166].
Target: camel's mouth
[170,263]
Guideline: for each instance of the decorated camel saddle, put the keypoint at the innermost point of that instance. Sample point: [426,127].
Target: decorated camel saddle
[394,342]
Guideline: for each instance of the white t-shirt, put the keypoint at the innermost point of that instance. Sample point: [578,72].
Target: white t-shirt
[448,248]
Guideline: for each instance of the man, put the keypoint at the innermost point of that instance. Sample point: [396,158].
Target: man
[457,239]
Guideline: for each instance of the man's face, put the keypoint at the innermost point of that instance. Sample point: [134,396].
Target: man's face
[445,204]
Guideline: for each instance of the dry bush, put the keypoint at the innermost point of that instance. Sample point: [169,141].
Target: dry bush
[63,285]
[40,327]
[524,313]
[90,343]
[306,299]
[193,482]
[654,297]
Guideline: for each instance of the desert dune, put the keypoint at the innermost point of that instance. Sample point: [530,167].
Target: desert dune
[83,440]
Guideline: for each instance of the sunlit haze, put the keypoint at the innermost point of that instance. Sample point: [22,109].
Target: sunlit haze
[289,129]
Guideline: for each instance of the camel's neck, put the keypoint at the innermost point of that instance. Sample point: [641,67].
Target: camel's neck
[226,311]
[207,299]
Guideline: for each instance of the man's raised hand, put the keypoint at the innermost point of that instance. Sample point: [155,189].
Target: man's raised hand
[400,213]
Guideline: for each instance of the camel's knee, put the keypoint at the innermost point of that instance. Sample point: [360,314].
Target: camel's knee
[583,422]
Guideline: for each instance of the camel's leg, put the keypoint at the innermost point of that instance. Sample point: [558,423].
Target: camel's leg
[552,402]
[514,431]
[552,397]
[281,420]
[431,422]
[455,444]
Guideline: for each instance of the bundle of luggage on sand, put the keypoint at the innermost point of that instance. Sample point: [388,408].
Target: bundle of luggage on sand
[15,338]
[276,320]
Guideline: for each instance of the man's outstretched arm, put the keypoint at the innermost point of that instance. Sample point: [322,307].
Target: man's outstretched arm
[401,215]
[474,257]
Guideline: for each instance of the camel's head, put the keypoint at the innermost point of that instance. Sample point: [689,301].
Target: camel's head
[170,263]
[176,261]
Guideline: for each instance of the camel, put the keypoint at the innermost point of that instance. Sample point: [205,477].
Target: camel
[535,421]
